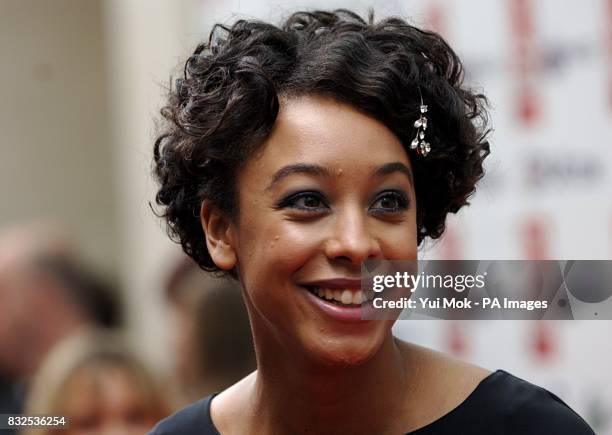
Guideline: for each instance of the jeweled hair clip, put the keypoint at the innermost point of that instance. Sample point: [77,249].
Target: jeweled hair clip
[419,144]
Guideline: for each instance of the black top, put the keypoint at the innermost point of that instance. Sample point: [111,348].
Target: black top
[501,404]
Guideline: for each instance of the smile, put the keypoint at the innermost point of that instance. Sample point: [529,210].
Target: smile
[341,296]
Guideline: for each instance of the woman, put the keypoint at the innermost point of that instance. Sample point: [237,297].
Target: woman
[291,155]
[98,385]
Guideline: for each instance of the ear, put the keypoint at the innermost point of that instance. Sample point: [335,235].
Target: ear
[218,230]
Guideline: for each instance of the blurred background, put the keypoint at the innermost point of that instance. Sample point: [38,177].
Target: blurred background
[81,84]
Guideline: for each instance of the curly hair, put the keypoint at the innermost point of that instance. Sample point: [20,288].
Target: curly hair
[227,100]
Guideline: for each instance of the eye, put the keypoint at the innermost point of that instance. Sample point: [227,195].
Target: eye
[390,202]
[306,201]
[309,201]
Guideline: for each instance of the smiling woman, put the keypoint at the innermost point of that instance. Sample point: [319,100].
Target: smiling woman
[292,155]
[331,188]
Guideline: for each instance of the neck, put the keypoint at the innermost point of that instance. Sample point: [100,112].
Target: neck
[307,398]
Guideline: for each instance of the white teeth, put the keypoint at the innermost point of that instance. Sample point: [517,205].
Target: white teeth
[345,297]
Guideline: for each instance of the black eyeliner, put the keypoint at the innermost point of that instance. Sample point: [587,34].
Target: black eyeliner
[399,195]
[290,199]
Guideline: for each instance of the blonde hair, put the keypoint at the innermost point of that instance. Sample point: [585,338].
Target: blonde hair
[84,350]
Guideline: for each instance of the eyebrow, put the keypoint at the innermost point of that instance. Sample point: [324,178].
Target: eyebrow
[310,169]
[390,168]
[298,168]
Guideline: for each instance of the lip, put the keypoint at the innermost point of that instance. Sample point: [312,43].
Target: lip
[337,312]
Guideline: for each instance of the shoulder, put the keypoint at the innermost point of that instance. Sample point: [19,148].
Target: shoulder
[498,403]
[193,419]
[522,407]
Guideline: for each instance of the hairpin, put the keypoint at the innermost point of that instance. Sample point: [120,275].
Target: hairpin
[418,143]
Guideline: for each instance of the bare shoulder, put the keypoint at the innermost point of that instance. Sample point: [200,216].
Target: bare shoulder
[229,403]
[440,381]
[442,368]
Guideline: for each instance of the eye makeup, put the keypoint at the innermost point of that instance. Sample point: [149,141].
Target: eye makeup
[304,200]
[390,201]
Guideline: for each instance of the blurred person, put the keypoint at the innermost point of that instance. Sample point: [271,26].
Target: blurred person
[46,294]
[214,347]
[291,155]
[99,385]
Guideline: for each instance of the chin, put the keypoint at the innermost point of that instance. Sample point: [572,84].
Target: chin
[348,350]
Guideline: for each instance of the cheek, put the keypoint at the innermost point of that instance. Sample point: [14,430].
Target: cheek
[398,241]
[401,244]
[280,247]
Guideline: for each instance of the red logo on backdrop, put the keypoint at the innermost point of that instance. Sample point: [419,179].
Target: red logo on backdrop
[543,342]
[456,336]
[536,247]
[435,18]
[525,53]
[457,339]
[535,243]
[451,246]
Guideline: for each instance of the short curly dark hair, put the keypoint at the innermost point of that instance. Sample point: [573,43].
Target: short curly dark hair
[226,102]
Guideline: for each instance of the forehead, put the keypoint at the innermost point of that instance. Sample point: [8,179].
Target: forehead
[321,130]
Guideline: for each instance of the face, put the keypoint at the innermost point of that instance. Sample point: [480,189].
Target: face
[331,188]
[104,400]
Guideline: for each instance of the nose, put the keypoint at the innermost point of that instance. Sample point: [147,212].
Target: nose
[352,240]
